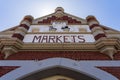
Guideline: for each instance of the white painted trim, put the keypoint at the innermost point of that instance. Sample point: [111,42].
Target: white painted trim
[93,22]
[85,67]
[97,28]
[22,29]
[26,22]
[20,32]
[97,32]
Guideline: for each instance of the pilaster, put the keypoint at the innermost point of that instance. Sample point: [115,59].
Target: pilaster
[23,27]
[105,45]
[95,27]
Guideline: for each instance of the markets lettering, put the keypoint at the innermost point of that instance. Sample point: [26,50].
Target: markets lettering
[58,39]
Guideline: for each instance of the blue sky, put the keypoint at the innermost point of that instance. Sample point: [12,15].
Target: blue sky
[106,11]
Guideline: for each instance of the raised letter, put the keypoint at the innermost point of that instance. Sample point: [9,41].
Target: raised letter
[66,38]
[52,38]
[44,39]
[58,39]
[82,40]
[36,39]
[73,38]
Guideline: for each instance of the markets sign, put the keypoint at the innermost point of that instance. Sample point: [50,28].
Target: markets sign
[59,38]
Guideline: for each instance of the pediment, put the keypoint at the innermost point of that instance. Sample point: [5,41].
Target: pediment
[59,15]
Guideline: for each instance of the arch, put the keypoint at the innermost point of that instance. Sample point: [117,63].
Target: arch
[35,67]
[38,75]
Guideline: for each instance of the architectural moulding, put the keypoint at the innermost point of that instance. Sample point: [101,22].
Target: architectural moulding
[79,66]
[108,46]
[10,46]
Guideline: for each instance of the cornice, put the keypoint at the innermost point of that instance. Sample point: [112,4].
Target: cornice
[59,46]
[10,46]
[111,32]
[108,42]
[11,42]
[108,46]
[99,44]
[7,33]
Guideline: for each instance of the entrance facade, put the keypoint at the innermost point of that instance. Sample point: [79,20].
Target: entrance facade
[60,46]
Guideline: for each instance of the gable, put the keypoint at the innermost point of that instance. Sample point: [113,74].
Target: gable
[59,15]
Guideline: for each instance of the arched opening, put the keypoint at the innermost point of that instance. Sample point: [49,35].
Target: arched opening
[57,73]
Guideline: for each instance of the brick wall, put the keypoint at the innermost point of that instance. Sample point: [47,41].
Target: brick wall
[76,55]
[1,56]
[117,56]
[112,70]
[6,69]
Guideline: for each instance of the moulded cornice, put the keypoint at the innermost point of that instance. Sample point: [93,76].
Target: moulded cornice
[108,42]
[10,46]
[59,46]
[108,46]
[11,42]
[9,50]
[99,44]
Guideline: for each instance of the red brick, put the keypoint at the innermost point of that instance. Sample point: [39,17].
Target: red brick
[117,56]
[112,70]
[76,55]
[1,56]
[6,69]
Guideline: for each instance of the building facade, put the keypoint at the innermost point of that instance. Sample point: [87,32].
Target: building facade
[60,46]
